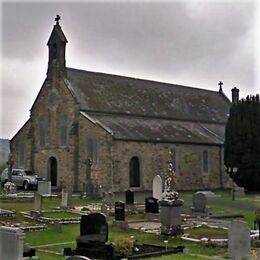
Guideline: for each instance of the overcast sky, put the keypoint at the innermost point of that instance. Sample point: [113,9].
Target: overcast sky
[192,43]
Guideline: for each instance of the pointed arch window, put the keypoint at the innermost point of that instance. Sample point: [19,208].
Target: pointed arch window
[134,172]
[205,161]
[42,130]
[54,50]
[21,154]
[63,129]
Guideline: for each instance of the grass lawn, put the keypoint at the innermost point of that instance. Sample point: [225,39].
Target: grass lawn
[49,244]
[62,214]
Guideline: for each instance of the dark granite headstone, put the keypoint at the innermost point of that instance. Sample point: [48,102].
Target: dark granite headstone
[120,211]
[94,228]
[151,205]
[93,237]
[129,197]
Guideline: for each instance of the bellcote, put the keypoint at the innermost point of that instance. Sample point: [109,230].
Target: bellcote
[57,46]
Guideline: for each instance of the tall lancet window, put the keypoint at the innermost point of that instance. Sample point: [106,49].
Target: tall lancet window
[63,129]
[205,161]
[42,130]
[21,155]
[54,50]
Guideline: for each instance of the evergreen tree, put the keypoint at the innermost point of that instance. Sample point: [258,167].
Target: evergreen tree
[242,142]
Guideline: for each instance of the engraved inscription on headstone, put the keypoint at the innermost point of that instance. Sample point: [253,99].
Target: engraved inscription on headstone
[120,211]
[151,205]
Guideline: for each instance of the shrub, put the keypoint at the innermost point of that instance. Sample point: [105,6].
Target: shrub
[123,246]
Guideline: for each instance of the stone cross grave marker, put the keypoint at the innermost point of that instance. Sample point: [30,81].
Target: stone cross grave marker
[37,202]
[199,201]
[66,198]
[11,243]
[44,188]
[157,187]
[110,200]
[239,240]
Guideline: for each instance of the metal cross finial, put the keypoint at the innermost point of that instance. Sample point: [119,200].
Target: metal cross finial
[57,19]
[220,86]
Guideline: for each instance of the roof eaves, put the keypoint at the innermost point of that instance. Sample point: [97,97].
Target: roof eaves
[167,141]
[28,121]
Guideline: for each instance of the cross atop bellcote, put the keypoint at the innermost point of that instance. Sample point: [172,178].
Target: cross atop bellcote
[220,86]
[57,19]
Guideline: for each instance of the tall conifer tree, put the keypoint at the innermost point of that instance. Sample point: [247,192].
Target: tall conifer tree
[242,142]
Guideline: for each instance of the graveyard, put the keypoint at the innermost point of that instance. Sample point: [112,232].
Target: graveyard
[133,224]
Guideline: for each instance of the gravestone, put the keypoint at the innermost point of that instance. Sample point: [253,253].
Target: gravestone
[44,188]
[171,204]
[66,198]
[93,237]
[11,243]
[37,202]
[57,226]
[129,197]
[239,192]
[239,240]
[151,205]
[93,228]
[104,207]
[120,211]
[199,201]
[119,223]
[170,216]
[157,187]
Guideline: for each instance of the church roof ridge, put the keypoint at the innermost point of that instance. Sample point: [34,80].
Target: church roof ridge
[143,79]
[96,91]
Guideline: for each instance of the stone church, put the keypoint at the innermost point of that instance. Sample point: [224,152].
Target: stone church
[122,127]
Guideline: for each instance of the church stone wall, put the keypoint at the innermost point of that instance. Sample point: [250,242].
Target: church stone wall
[22,138]
[101,165]
[154,158]
[53,100]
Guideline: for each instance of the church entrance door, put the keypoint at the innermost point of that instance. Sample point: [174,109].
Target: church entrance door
[134,173]
[52,171]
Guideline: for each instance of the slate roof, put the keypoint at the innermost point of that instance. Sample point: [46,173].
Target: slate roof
[101,92]
[143,110]
[132,128]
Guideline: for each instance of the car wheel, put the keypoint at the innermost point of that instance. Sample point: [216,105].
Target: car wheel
[26,185]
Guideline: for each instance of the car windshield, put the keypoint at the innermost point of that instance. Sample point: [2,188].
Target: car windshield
[28,172]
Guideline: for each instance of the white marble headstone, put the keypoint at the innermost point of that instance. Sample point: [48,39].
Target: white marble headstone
[11,243]
[239,240]
[44,187]
[157,187]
